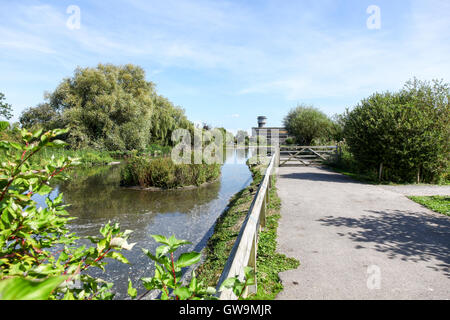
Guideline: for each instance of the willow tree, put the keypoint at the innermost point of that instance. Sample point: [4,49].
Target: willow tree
[165,119]
[108,107]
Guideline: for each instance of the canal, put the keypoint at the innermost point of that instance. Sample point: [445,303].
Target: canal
[95,198]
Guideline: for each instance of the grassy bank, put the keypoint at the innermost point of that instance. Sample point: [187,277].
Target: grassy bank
[440,204]
[164,173]
[92,157]
[269,263]
[86,157]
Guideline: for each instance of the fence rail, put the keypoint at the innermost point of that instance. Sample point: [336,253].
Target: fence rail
[245,248]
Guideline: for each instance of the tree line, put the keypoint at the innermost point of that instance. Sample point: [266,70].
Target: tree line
[108,107]
[399,136]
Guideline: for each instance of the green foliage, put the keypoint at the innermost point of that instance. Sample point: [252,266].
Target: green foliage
[440,204]
[36,247]
[308,124]
[108,107]
[24,289]
[5,108]
[86,157]
[269,262]
[42,116]
[226,230]
[290,141]
[164,173]
[407,134]
[336,130]
[237,286]
[165,119]
[242,138]
[168,272]
[225,233]
[10,132]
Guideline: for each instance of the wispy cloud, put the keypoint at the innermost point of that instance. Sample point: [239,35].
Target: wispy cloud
[247,52]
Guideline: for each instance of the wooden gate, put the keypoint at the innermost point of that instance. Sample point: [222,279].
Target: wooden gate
[306,155]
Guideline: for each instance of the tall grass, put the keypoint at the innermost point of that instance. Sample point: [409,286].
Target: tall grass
[164,173]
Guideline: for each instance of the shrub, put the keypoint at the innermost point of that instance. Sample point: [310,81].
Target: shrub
[164,173]
[290,141]
[307,124]
[404,135]
[39,258]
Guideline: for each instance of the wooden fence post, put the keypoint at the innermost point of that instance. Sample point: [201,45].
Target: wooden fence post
[252,263]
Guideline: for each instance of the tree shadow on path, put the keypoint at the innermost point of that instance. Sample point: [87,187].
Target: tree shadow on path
[327,176]
[409,236]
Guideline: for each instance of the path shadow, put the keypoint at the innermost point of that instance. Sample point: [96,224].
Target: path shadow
[327,176]
[401,235]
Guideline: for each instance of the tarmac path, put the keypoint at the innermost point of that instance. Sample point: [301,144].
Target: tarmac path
[358,241]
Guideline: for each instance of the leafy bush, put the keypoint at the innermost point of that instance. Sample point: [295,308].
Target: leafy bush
[168,276]
[404,135]
[290,141]
[308,124]
[164,173]
[39,258]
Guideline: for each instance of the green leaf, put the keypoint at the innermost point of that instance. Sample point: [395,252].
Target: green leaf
[228,283]
[193,284]
[4,125]
[162,250]
[132,292]
[210,291]
[58,132]
[37,133]
[59,143]
[187,259]
[182,293]
[44,189]
[160,239]
[24,289]
[117,256]
[249,275]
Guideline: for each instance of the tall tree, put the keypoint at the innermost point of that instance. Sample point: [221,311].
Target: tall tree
[5,108]
[109,107]
[307,124]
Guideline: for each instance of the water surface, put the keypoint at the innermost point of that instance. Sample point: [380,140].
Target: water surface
[96,198]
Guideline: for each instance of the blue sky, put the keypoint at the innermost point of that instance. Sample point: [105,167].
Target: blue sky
[226,62]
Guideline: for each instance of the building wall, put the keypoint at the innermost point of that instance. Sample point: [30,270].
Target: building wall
[270,133]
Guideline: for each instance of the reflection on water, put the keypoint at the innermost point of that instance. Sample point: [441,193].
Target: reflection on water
[96,198]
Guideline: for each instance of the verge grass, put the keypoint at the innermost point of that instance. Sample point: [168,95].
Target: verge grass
[440,204]
[226,230]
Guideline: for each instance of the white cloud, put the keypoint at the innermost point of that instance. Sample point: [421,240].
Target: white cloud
[284,48]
